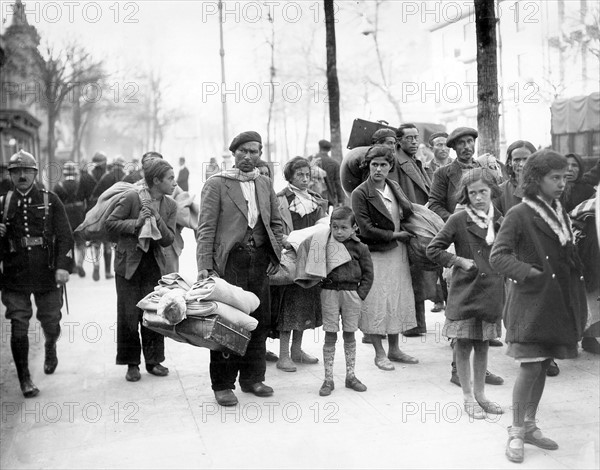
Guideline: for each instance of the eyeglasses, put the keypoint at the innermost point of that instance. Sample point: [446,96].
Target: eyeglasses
[411,138]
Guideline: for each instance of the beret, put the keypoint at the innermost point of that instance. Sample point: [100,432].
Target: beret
[458,133]
[380,134]
[248,136]
[435,135]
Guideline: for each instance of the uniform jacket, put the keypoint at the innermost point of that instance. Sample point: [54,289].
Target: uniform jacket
[335,192]
[444,190]
[224,220]
[373,219]
[26,269]
[477,293]
[408,172]
[285,196]
[550,308]
[182,178]
[122,222]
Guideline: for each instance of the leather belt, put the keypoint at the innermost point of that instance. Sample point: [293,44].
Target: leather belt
[32,241]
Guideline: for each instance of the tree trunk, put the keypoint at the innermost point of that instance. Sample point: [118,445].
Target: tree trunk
[487,78]
[333,86]
[271,90]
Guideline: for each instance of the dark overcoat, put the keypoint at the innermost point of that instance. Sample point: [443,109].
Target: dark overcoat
[475,293]
[550,308]
[373,219]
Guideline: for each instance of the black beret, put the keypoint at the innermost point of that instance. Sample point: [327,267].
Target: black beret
[248,136]
[435,135]
[458,133]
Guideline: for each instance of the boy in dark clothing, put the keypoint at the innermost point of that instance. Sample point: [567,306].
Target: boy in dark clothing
[343,290]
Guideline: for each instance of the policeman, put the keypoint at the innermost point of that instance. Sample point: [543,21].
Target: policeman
[35,248]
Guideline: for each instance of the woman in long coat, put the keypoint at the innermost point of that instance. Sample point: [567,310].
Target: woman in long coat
[297,308]
[545,310]
[379,206]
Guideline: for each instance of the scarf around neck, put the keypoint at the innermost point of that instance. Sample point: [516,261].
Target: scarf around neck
[236,174]
[483,220]
[555,218]
[303,203]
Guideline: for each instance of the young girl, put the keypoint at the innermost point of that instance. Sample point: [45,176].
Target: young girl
[545,309]
[476,291]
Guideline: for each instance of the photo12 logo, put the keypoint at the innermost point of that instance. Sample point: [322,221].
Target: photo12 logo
[71,12]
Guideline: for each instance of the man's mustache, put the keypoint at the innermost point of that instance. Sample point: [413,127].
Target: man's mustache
[22,180]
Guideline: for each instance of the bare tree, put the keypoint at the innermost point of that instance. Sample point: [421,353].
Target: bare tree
[272,71]
[384,85]
[333,86]
[487,78]
[61,72]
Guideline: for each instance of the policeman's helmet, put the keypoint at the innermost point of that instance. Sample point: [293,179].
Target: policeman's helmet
[22,159]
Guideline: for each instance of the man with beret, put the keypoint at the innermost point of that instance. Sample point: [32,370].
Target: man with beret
[35,252]
[441,153]
[335,193]
[239,238]
[446,180]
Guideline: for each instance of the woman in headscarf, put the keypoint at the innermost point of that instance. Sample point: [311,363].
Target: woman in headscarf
[298,309]
[511,191]
[576,191]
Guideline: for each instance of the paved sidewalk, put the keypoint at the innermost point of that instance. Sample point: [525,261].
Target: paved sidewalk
[88,416]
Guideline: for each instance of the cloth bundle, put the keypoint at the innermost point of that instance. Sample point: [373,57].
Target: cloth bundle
[424,224]
[174,299]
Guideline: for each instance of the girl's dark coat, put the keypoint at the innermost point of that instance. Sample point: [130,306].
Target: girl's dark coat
[476,293]
[550,308]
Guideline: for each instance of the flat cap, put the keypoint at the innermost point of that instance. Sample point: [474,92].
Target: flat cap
[435,135]
[325,144]
[381,134]
[458,133]
[248,136]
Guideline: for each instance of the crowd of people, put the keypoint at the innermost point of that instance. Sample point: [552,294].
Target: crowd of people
[506,254]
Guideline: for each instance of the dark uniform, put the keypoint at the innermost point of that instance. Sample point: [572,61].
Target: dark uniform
[37,242]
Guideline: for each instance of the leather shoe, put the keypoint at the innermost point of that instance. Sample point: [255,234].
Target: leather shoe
[534,436]
[157,369]
[495,343]
[493,379]
[416,331]
[403,357]
[590,344]
[454,378]
[271,357]
[133,374]
[552,370]
[226,397]
[355,384]
[28,388]
[259,389]
[285,364]
[304,358]
[326,388]
[384,363]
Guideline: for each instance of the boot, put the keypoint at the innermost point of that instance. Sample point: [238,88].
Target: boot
[20,351]
[51,359]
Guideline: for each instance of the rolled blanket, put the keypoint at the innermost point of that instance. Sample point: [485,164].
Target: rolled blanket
[197,308]
[207,308]
[215,288]
[174,280]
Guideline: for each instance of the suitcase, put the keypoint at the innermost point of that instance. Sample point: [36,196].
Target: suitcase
[362,131]
[212,332]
